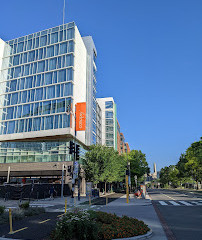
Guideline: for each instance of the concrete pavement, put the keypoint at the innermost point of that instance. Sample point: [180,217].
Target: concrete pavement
[142,209]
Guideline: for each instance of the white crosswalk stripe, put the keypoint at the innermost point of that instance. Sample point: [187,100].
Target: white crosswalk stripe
[163,203]
[186,203]
[174,203]
[180,203]
[197,203]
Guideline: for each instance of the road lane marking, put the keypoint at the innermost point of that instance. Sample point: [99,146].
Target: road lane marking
[61,215]
[163,203]
[168,196]
[174,203]
[21,229]
[45,221]
[186,203]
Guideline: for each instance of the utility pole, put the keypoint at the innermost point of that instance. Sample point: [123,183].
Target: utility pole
[74,149]
[8,176]
[62,187]
[127,183]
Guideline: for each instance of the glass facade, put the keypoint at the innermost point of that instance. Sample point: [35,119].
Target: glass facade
[94,132]
[36,81]
[109,124]
[99,125]
[49,151]
[91,109]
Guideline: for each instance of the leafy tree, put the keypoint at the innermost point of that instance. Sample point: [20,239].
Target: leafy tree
[138,164]
[93,163]
[164,176]
[194,161]
[181,166]
[104,164]
[169,176]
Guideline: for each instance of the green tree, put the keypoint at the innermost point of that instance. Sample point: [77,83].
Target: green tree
[104,164]
[181,166]
[194,161]
[93,163]
[138,164]
[169,176]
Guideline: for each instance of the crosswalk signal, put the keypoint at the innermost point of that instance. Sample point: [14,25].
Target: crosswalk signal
[71,147]
[77,151]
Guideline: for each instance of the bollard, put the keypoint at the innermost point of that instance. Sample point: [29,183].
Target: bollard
[106,200]
[10,221]
[65,205]
[89,201]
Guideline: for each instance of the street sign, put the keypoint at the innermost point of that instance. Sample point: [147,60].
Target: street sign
[76,170]
[129,181]
[88,188]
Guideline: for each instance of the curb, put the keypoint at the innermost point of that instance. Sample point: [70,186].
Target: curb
[164,224]
[145,236]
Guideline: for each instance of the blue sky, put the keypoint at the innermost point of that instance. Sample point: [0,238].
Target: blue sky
[149,60]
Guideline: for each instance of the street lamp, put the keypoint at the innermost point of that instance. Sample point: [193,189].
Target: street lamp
[76,149]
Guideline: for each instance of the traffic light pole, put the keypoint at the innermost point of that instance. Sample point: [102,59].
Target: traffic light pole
[62,187]
[75,149]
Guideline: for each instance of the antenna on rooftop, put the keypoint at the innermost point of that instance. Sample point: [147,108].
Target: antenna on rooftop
[64,13]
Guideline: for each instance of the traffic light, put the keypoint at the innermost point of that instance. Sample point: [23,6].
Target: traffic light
[77,151]
[71,147]
[69,169]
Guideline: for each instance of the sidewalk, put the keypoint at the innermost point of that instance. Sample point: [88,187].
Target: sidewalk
[142,209]
[132,201]
[49,204]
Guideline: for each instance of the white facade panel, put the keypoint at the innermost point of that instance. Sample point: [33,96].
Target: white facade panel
[37,134]
[80,65]
[101,102]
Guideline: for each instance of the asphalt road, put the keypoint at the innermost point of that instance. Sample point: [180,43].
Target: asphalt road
[181,210]
[31,228]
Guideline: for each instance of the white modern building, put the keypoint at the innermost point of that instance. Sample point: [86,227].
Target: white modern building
[109,121]
[41,75]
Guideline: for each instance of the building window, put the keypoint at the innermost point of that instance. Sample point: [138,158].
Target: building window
[108,104]
[109,114]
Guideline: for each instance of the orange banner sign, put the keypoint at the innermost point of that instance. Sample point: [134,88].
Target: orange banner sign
[81,116]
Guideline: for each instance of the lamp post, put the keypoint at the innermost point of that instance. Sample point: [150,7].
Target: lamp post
[69,111]
[127,180]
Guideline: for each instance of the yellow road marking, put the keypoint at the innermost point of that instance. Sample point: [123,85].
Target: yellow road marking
[45,221]
[61,215]
[168,196]
[18,230]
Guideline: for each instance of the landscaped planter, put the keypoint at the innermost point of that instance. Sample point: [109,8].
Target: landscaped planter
[140,237]
[92,225]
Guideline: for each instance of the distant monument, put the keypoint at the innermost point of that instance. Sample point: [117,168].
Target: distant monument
[154,175]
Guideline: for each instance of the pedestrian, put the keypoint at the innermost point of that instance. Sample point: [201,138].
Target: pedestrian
[52,190]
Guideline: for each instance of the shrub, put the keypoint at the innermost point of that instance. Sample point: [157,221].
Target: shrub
[123,227]
[2,209]
[24,205]
[83,225]
[76,224]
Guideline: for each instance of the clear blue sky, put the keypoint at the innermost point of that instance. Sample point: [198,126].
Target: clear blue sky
[149,60]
